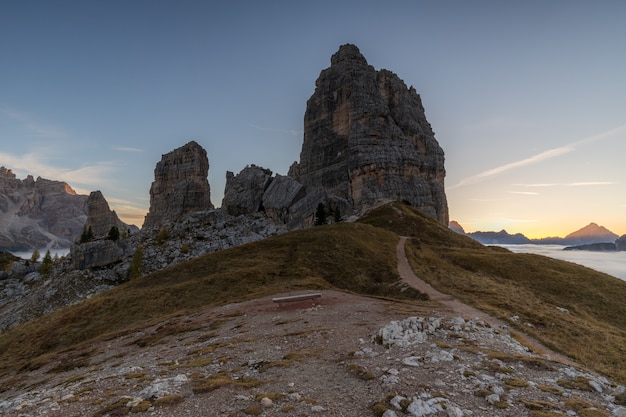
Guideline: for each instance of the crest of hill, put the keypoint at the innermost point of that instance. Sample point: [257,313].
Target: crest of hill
[358,257]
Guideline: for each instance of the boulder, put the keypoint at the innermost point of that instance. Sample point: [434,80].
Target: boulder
[180,185]
[243,193]
[281,194]
[366,139]
[98,253]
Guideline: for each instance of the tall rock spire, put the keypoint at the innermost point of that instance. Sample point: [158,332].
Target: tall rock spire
[366,139]
[180,185]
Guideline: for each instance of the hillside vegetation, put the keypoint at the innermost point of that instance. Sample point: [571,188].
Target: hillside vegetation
[570,308]
[358,257]
[347,256]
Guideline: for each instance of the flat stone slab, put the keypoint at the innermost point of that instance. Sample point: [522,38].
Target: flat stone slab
[296,297]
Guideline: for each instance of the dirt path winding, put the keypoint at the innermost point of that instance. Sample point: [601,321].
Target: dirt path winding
[466,311]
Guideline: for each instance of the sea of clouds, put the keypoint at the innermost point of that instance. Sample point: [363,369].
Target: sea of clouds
[612,263]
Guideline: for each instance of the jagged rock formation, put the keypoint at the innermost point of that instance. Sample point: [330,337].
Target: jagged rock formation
[105,248]
[281,198]
[38,213]
[243,193]
[100,218]
[366,139]
[254,190]
[180,185]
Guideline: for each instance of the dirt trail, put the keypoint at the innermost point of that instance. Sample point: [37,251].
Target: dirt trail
[466,311]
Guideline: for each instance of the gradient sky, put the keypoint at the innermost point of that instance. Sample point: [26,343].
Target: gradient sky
[527,99]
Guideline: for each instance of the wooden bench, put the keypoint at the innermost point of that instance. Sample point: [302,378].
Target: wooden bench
[300,297]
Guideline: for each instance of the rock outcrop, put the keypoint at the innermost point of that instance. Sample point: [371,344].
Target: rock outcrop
[99,253]
[104,247]
[243,193]
[100,217]
[38,213]
[180,185]
[366,139]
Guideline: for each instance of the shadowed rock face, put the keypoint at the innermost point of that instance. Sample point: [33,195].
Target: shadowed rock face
[366,139]
[180,185]
[100,218]
[38,213]
[243,193]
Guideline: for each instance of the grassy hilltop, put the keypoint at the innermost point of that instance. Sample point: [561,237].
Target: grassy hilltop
[358,257]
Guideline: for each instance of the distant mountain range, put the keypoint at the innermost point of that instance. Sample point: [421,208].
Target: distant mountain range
[590,236]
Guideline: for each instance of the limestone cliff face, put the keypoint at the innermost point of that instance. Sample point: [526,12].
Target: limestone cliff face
[38,213]
[180,185]
[100,218]
[101,251]
[243,193]
[366,139]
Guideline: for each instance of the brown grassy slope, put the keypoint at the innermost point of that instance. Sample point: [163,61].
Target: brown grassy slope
[530,286]
[6,260]
[348,256]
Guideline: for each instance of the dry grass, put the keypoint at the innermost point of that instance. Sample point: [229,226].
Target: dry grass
[361,372]
[508,284]
[358,257]
[202,384]
[346,256]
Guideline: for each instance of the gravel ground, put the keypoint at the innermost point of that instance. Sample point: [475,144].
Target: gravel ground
[337,355]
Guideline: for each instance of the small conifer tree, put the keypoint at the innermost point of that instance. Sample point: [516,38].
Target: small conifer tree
[337,214]
[114,233]
[46,264]
[87,234]
[35,256]
[136,265]
[320,215]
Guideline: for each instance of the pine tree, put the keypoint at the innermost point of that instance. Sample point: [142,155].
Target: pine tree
[35,256]
[87,234]
[46,264]
[320,215]
[114,233]
[337,214]
[136,266]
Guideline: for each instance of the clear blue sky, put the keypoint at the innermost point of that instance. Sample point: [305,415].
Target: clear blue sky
[527,99]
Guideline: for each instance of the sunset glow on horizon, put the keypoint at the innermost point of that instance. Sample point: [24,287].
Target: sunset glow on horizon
[527,99]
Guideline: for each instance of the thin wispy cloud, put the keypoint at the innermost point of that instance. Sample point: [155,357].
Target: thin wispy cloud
[35,163]
[589,183]
[524,192]
[126,149]
[31,124]
[552,153]
[540,157]
[291,132]
[569,184]
[542,185]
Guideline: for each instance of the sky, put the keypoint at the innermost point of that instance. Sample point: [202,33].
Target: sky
[527,99]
